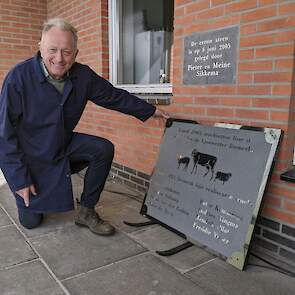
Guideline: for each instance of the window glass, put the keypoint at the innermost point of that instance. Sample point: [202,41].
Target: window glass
[144,36]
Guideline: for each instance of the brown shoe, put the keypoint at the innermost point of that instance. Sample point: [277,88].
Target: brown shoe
[89,218]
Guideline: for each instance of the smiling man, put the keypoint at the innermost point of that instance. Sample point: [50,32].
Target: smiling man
[41,102]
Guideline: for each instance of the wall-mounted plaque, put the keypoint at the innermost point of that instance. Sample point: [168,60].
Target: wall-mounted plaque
[208,184]
[211,57]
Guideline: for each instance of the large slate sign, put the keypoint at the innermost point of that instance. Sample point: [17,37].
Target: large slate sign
[208,184]
[211,57]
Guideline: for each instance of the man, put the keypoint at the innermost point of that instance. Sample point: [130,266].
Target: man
[41,102]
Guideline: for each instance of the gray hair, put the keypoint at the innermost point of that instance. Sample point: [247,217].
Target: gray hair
[63,25]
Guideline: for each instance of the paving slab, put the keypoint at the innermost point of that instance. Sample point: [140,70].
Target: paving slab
[75,250]
[4,220]
[117,209]
[141,275]
[28,279]
[50,223]
[13,247]
[157,237]
[218,277]
[7,199]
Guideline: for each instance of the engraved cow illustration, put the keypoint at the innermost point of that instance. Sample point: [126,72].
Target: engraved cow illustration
[222,176]
[205,160]
[183,161]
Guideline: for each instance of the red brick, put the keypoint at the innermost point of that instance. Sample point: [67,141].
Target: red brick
[196,6]
[252,114]
[288,8]
[251,41]
[219,2]
[272,201]
[224,22]
[197,110]
[248,29]
[186,20]
[272,77]
[220,112]
[281,215]
[276,24]
[282,103]
[256,65]
[237,6]
[195,28]
[283,192]
[207,100]
[235,101]
[279,116]
[266,2]
[245,78]
[290,206]
[183,99]
[283,64]
[222,89]
[288,36]
[181,2]
[254,90]
[281,90]
[258,14]
[246,54]
[211,13]
[179,12]
[274,51]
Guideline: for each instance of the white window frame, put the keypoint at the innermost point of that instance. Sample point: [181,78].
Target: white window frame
[165,88]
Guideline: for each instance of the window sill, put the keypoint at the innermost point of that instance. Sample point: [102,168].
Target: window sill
[155,99]
[152,88]
[289,175]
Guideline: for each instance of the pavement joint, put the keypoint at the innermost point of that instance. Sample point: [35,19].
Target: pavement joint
[64,289]
[104,266]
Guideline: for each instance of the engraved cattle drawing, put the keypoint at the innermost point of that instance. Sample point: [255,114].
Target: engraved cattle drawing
[204,160]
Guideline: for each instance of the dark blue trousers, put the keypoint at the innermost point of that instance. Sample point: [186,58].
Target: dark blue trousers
[97,154]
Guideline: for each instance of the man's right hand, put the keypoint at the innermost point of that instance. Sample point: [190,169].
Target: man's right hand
[25,193]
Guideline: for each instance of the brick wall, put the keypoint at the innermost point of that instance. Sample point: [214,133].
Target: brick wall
[20,24]
[261,96]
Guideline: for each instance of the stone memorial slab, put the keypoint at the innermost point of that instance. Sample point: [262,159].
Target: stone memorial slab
[211,57]
[208,184]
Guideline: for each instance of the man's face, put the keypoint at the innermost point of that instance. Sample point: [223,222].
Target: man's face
[58,51]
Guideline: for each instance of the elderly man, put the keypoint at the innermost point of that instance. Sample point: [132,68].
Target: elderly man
[41,102]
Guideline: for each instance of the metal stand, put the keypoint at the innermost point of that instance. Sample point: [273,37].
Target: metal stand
[175,250]
[168,252]
[139,224]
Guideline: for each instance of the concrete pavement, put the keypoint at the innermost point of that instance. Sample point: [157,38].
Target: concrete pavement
[61,258]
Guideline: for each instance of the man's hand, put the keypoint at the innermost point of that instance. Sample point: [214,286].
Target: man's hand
[25,193]
[161,114]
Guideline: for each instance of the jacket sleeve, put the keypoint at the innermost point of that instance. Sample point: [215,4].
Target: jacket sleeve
[104,94]
[12,158]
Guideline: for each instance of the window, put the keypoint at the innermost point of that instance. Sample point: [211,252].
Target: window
[141,33]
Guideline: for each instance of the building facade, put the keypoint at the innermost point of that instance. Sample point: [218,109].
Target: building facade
[139,45]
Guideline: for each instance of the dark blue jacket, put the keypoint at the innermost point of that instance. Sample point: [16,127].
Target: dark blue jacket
[36,127]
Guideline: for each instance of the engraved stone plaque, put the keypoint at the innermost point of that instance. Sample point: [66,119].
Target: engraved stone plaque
[208,184]
[211,57]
